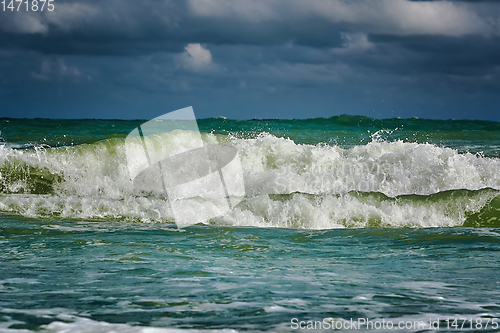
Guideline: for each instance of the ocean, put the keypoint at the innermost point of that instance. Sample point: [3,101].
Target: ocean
[347,224]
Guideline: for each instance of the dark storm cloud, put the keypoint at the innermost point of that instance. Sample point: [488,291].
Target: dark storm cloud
[114,27]
[133,27]
[468,55]
[355,53]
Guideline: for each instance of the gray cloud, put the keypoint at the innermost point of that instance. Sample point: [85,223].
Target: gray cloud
[285,52]
[399,17]
[160,25]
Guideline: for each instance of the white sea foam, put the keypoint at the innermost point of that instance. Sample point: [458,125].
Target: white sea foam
[275,165]
[287,184]
[83,325]
[73,324]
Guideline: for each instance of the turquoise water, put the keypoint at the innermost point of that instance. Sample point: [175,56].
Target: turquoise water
[343,218]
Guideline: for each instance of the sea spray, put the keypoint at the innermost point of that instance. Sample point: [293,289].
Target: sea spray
[291,185]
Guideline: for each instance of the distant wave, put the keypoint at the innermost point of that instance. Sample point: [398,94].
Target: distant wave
[345,120]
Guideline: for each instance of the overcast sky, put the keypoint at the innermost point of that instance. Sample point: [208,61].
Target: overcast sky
[252,59]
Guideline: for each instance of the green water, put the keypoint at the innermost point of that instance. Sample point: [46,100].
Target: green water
[242,278]
[344,130]
[343,218]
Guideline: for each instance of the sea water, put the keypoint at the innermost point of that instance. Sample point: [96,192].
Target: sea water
[347,222]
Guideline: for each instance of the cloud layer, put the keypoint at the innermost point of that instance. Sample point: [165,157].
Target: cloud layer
[292,58]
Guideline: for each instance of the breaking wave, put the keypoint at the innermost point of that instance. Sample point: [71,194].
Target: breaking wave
[380,184]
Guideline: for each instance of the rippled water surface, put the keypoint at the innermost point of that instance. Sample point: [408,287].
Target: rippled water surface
[209,277]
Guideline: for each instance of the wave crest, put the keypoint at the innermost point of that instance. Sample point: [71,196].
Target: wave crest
[381,184]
